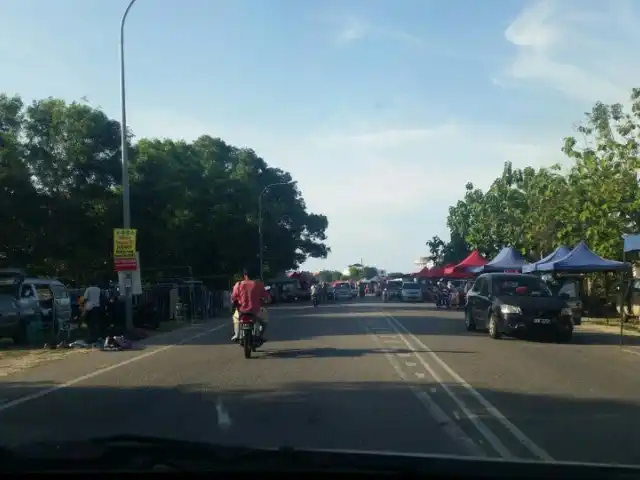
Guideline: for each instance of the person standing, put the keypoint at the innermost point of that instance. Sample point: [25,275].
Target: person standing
[92,310]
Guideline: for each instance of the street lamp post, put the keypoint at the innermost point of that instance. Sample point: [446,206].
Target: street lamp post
[126,194]
[261,247]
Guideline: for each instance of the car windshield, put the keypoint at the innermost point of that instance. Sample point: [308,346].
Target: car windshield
[520,286]
[226,145]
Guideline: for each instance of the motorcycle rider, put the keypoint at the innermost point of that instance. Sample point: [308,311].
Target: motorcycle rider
[247,297]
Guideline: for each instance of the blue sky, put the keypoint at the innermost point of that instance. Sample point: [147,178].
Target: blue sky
[382,110]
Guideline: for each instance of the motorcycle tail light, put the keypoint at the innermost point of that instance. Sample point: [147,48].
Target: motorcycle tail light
[246,319]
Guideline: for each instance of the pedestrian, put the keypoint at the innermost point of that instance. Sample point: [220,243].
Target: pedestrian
[92,312]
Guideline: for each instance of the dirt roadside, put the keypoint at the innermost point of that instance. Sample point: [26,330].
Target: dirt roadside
[16,359]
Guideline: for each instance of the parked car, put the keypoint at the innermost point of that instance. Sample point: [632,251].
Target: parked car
[517,305]
[342,291]
[394,289]
[15,319]
[48,295]
[330,293]
[411,292]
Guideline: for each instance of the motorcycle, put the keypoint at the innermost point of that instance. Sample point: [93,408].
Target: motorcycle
[314,300]
[250,334]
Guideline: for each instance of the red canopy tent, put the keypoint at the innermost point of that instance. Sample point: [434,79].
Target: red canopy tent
[424,273]
[437,272]
[474,259]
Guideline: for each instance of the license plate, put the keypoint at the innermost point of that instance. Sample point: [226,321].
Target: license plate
[542,321]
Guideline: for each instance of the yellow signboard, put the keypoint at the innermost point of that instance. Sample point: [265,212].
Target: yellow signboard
[124,243]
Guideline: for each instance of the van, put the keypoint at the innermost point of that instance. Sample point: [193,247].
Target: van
[48,296]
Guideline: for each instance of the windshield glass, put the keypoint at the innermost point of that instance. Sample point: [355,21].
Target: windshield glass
[227,145]
[520,285]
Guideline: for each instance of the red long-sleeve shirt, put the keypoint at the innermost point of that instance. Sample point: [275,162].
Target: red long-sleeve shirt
[248,295]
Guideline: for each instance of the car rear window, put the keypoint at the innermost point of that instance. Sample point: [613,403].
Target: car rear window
[411,286]
[511,286]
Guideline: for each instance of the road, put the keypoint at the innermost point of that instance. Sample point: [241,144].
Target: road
[359,375]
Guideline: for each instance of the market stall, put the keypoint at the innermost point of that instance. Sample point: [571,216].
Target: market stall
[507,260]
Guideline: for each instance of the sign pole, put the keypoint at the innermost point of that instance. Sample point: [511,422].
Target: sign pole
[125,260]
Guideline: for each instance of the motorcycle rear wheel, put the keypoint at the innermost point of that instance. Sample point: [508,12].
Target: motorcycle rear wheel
[248,343]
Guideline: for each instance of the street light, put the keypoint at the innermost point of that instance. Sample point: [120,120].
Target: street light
[264,190]
[126,194]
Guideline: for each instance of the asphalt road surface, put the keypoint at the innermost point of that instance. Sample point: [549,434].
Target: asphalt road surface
[356,375]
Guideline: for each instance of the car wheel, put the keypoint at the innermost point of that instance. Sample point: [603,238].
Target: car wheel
[493,327]
[468,321]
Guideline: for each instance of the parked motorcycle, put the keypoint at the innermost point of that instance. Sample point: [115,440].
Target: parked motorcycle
[250,335]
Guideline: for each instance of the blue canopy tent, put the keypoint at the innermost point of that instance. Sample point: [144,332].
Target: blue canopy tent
[509,259]
[557,254]
[582,260]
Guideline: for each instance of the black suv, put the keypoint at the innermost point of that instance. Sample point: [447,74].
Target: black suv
[517,305]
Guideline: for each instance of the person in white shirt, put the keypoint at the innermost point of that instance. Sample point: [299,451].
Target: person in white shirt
[92,297]
[92,310]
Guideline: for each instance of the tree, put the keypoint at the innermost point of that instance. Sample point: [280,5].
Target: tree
[193,203]
[369,272]
[436,249]
[328,276]
[597,199]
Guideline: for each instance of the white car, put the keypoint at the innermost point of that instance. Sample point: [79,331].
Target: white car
[343,292]
[411,292]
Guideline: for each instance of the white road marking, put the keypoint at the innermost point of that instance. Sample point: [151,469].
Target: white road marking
[493,411]
[419,374]
[447,424]
[493,440]
[47,391]
[410,364]
[630,351]
[404,355]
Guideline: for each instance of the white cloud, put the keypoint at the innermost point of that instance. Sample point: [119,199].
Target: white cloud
[352,30]
[349,29]
[584,50]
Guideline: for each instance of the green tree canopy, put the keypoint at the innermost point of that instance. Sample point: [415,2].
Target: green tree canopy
[193,203]
[595,199]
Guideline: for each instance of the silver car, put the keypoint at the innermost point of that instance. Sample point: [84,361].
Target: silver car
[343,292]
[411,292]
